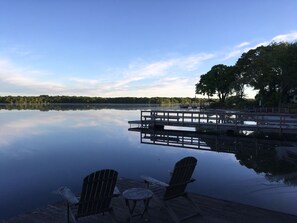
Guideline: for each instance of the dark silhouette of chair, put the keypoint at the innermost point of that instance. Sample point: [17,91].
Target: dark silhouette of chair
[97,191]
[181,176]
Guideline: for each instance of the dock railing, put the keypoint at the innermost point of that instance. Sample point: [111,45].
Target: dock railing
[218,120]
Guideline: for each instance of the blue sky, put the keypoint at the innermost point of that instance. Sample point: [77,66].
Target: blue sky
[138,48]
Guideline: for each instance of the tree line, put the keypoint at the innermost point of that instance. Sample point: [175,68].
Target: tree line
[271,70]
[46,99]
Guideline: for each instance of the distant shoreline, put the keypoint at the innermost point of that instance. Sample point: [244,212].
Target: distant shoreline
[45,99]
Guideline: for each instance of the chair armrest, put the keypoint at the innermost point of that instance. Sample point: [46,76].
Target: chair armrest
[151,180]
[116,192]
[68,195]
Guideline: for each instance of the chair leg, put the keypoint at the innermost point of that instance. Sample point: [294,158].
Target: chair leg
[69,212]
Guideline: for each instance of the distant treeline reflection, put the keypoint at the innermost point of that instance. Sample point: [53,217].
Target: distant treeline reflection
[66,106]
[45,99]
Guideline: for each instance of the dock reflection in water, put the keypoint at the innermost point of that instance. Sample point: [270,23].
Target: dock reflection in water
[276,159]
[41,151]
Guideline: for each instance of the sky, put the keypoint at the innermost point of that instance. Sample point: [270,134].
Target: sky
[130,48]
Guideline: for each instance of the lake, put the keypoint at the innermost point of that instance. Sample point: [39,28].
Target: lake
[41,150]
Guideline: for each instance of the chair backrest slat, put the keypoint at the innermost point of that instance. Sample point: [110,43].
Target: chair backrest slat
[180,177]
[97,192]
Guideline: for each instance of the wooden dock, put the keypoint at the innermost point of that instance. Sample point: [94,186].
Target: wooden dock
[212,211]
[218,121]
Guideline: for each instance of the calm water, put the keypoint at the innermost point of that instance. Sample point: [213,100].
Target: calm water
[43,150]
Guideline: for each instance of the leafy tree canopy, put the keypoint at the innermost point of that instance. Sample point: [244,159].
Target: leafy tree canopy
[272,70]
[219,80]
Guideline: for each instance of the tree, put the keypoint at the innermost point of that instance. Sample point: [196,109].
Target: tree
[219,80]
[272,70]
[206,85]
[239,84]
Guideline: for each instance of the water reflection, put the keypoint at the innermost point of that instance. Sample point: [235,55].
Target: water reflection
[276,159]
[31,123]
[41,151]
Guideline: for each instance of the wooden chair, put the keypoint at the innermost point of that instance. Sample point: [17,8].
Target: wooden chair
[180,177]
[97,191]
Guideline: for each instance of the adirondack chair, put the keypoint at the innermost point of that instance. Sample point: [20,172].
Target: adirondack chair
[97,191]
[180,177]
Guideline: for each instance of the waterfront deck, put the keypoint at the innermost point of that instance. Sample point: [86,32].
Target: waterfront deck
[212,211]
[218,121]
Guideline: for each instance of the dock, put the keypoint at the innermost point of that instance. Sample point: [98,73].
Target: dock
[219,121]
[212,211]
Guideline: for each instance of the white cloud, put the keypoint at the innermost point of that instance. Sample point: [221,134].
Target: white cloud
[192,62]
[232,54]
[159,68]
[158,72]
[237,50]
[27,80]
[24,127]
[243,44]
[163,71]
[84,81]
[175,76]
[265,43]
[164,86]
[149,70]
[289,37]
[17,51]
